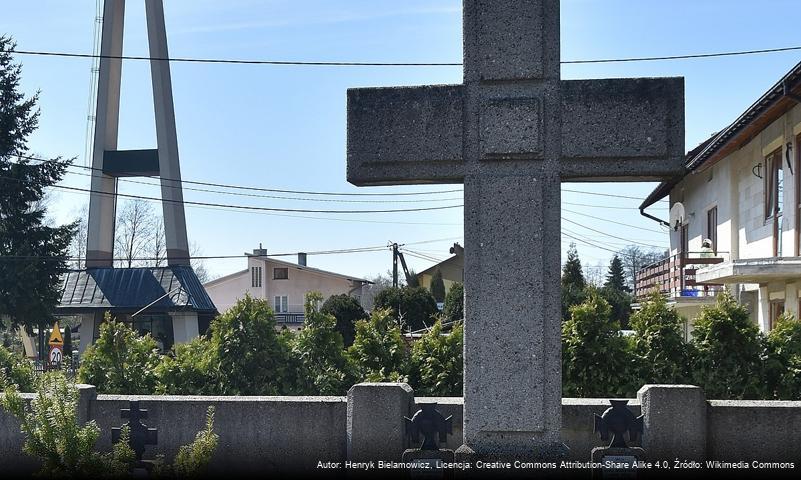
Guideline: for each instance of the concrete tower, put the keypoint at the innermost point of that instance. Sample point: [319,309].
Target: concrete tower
[109,163]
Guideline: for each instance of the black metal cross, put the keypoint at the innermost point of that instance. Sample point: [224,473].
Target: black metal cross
[139,433]
[618,420]
[429,422]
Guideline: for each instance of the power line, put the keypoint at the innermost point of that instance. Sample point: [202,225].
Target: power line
[599,206]
[612,221]
[261,189]
[605,194]
[247,207]
[589,243]
[309,217]
[370,249]
[631,241]
[387,64]
[276,197]
[308,192]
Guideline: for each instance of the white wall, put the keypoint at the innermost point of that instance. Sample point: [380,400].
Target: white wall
[225,291]
[743,232]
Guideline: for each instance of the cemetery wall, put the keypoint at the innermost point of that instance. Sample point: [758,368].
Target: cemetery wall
[280,433]
[754,430]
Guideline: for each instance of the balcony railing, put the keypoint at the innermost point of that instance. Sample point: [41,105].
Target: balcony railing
[289,317]
[674,276]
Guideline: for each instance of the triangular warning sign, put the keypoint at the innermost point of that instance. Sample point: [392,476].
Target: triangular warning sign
[55,336]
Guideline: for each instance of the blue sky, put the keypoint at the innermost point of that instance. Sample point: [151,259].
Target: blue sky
[284,127]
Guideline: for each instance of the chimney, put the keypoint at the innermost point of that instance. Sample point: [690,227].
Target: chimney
[260,252]
[457,250]
[302,259]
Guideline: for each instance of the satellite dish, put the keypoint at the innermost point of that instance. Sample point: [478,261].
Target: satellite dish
[677,215]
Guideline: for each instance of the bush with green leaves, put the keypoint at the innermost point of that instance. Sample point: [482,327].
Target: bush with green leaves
[783,359]
[378,353]
[120,361]
[347,311]
[412,307]
[661,354]
[318,348]
[249,357]
[189,370]
[54,435]
[595,356]
[436,362]
[16,370]
[453,309]
[727,361]
[244,355]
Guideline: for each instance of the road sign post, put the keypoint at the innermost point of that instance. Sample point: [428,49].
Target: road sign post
[56,343]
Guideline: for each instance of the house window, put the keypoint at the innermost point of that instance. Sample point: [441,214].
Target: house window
[797,176]
[255,277]
[776,310]
[774,184]
[712,227]
[684,241]
[281,304]
[280,274]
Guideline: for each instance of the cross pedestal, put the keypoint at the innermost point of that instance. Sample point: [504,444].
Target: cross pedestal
[512,133]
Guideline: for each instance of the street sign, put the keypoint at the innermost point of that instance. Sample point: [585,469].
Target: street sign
[55,355]
[55,336]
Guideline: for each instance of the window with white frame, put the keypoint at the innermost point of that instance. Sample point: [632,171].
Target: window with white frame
[281,304]
[255,277]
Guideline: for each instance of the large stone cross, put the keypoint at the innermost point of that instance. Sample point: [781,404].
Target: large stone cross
[511,133]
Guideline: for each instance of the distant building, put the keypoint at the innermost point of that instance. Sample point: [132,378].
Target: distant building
[169,303]
[284,284]
[452,269]
[742,192]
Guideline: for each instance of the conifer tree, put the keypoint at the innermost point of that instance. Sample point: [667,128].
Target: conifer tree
[438,286]
[29,283]
[615,276]
[573,282]
[617,293]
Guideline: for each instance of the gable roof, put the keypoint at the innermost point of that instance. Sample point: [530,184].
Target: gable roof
[129,289]
[774,103]
[287,264]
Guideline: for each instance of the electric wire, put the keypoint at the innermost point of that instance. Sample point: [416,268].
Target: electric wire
[246,207]
[259,189]
[612,221]
[369,249]
[629,240]
[274,197]
[307,192]
[44,53]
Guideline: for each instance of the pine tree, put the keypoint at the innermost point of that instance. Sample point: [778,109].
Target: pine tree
[617,293]
[615,276]
[573,283]
[571,273]
[438,286]
[29,284]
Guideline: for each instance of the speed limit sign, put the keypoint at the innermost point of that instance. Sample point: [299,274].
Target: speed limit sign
[55,355]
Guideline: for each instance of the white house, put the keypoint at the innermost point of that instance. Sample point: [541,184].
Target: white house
[284,284]
[741,190]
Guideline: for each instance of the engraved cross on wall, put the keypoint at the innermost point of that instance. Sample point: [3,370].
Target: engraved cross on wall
[512,133]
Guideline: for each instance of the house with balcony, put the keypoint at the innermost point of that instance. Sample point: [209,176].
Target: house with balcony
[284,284]
[742,190]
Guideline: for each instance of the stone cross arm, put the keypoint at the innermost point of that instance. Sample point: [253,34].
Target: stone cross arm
[621,129]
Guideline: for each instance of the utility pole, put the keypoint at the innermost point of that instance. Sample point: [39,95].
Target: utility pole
[395,265]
